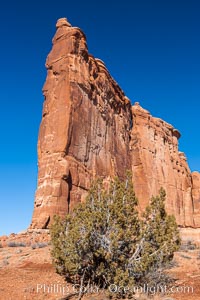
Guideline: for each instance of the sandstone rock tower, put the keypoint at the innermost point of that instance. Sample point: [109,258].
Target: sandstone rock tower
[89,128]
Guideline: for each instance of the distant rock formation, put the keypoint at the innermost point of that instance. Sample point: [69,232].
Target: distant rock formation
[89,128]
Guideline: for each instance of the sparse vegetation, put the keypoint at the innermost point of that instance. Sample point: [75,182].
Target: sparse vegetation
[16,244]
[39,245]
[4,263]
[105,242]
[188,245]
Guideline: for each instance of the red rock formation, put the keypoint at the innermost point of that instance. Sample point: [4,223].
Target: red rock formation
[196,197]
[156,162]
[85,126]
[89,128]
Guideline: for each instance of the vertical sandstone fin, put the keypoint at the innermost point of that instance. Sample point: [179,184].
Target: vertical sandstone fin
[84,129]
[89,128]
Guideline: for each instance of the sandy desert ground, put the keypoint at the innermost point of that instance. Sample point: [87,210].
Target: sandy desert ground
[28,273]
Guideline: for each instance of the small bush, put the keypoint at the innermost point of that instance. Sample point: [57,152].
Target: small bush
[15,244]
[21,244]
[157,278]
[11,244]
[188,245]
[104,241]
[39,245]
[4,263]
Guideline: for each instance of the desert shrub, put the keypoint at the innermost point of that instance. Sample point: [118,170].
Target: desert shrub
[159,235]
[104,241]
[15,244]
[11,244]
[39,245]
[21,244]
[158,279]
[5,262]
[188,245]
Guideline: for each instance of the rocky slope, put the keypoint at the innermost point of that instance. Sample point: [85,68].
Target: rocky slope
[89,128]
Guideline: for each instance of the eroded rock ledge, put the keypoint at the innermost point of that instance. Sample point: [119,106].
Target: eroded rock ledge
[89,128]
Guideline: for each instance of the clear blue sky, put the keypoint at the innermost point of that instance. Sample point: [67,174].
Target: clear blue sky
[151,48]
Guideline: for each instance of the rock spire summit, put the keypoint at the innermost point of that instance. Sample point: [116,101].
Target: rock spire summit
[62,22]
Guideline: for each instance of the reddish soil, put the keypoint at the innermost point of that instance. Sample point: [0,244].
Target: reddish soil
[27,273]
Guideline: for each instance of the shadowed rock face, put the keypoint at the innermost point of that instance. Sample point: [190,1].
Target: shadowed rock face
[89,129]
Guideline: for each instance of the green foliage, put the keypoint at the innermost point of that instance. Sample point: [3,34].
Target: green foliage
[104,242]
[159,231]
[159,237]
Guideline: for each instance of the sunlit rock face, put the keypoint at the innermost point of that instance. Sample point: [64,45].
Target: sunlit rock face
[89,129]
[85,126]
[196,197]
[157,162]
